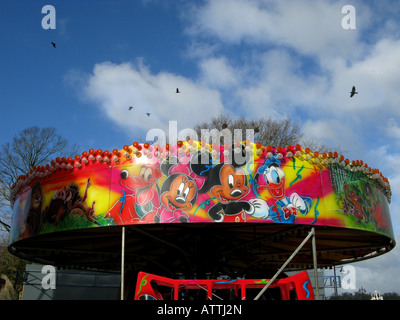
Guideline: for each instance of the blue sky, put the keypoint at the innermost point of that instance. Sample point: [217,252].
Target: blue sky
[254,58]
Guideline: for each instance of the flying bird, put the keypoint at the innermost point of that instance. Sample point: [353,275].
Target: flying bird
[130,108]
[54,45]
[353,92]
[148,114]
[177,90]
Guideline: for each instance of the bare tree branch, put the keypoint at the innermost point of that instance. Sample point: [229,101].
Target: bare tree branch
[30,148]
[267,131]
[271,132]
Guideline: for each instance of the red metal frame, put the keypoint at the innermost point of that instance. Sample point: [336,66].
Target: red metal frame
[298,283]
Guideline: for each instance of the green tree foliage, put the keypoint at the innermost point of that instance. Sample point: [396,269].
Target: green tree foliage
[10,266]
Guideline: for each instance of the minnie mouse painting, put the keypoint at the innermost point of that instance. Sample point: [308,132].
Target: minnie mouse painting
[178,192]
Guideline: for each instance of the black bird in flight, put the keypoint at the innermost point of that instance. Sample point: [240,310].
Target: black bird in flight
[177,90]
[148,114]
[130,108]
[353,92]
[54,45]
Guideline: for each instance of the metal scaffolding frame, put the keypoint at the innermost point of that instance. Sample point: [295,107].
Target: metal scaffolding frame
[311,234]
[314,251]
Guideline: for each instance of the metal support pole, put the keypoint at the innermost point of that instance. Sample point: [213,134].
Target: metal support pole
[310,234]
[335,281]
[123,263]
[314,250]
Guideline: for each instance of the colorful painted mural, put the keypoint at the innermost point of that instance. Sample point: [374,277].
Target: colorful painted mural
[194,182]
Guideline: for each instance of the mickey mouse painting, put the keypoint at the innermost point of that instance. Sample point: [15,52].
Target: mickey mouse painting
[227,182]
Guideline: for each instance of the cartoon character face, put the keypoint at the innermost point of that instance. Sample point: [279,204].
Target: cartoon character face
[274,178]
[181,193]
[36,198]
[142,184]
[232,185]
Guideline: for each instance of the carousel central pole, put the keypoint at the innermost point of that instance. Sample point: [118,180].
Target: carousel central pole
[123,263]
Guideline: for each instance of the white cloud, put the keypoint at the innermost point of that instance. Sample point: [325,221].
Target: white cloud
[332,132]
[379,273]
[230,21]
[115,87]
[375,77]
[310,27]
[289,31]
[271,80]
[267,84]
[216,72]
[390,168]
[197,50]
